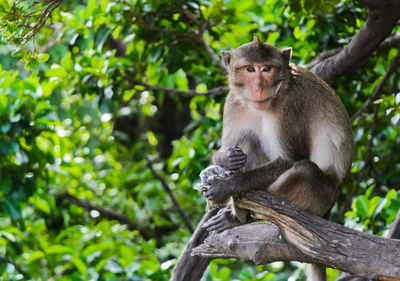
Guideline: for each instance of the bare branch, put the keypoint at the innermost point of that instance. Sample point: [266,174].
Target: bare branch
[382,17]
[216,91]
[109,214]
[394,231]
[392,42]
[46,12]
[297,235]
[322,56]
[378,88]
[194,36]
[166,187]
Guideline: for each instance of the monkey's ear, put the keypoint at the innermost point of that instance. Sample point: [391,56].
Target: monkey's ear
[286,55]
[256,39]
[226,56]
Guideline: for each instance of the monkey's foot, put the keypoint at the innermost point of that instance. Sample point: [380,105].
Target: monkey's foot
[223,220]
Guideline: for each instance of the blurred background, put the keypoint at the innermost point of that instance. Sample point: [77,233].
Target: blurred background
[109,110]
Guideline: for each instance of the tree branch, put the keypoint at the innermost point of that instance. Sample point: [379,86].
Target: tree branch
[109,214]
[293,234]
[166,187]
[382,17]
[392,42]
[216,91]
[194,36]
[378,88]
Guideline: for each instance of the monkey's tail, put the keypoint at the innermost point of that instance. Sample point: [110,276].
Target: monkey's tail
[188,267]
[316,272]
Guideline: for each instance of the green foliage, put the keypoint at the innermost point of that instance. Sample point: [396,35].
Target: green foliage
[76,125]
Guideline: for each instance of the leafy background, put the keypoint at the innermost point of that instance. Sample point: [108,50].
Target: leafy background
[91,152]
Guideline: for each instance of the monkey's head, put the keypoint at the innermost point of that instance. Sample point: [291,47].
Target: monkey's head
[256,71]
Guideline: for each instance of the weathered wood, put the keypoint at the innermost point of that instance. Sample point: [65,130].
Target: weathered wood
[300,236]
[188,267]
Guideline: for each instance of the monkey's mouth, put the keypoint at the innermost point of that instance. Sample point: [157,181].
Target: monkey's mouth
[261,101]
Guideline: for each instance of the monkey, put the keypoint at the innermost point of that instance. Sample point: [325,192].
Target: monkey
[285,131]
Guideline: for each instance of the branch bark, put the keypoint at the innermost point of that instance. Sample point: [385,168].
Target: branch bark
[293,234]
[216,91]
[108,214]
[378,88]
[166,187]
[382,18]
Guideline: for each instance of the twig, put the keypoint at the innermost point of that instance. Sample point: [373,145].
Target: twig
[166,187]
[109,214]
[216,91]
[42,18]
[322,56]
[392,42]
[196,36]
[366,168]
[394,231]
[378,88]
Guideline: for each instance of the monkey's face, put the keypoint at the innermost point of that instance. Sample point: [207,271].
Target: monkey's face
[257,82]
[256,72]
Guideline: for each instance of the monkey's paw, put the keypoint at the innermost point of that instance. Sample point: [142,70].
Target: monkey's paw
[223,220]
[218,191]
[236,158]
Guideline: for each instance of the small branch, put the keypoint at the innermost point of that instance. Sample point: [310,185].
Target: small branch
[109,214]
[166,187]
[322,56]
[392,42]
[42,17]
[368,157]
[378,88]
[294,234]
[194,36]
[211,52]
[394,231]
[216,91]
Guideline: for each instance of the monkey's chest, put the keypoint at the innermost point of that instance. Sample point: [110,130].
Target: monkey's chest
[267,128]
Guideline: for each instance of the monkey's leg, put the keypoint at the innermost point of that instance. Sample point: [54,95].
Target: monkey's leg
[188,267]
[316,272]
[308,187]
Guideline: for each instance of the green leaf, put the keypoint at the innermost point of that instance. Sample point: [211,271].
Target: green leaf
[362,206]
[35,255]
[57,72]
[6,4]
[41,204]
[80,265]
[33,66]
[12,207]
[43,57]
[58,249]
[5,184]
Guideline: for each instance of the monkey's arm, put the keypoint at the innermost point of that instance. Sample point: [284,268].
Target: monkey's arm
[258,178]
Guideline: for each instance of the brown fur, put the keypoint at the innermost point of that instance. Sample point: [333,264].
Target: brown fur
[298,143]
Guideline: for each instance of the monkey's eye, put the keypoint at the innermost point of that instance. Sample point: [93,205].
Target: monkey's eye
[251,69]
[266,68]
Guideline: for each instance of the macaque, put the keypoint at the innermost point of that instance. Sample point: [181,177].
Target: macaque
[285,131]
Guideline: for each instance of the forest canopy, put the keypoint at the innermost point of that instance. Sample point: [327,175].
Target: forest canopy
[110,110]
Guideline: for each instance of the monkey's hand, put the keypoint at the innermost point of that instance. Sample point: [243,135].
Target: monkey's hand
[232,158]
[219,190]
